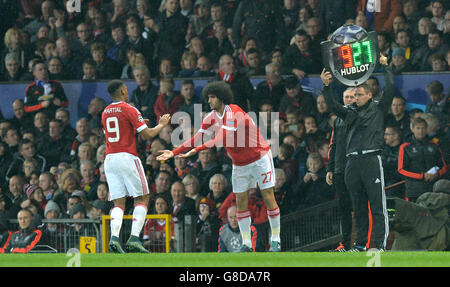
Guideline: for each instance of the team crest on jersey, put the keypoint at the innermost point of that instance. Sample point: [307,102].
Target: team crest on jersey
[140,118]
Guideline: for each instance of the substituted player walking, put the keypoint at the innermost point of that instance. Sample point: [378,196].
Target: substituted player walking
[123,168]
[252,159]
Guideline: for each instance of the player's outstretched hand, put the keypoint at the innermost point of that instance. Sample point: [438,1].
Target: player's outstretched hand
[326,77]
[383,60]
[189,153]
[166,154]
[164,119]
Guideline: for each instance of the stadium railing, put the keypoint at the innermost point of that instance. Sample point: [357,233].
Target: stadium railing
[159,246]
[309,229]
[82,234]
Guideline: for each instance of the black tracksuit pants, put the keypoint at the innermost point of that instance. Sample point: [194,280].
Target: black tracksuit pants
[365,180]
[345,208]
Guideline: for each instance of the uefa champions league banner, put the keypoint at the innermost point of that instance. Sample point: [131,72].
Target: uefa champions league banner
[411,86]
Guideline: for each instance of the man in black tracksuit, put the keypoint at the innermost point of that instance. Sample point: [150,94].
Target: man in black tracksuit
[364,143]
[335,173]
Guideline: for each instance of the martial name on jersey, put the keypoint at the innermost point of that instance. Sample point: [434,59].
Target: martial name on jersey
[113,110]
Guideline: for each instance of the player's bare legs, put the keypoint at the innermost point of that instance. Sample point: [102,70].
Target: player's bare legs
[116,224]
[273,213]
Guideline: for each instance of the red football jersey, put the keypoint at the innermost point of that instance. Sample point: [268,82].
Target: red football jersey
[120,123]
[234,130]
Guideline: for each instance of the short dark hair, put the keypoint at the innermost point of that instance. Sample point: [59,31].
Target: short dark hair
[417,121]
[114,86]
[219,89]
[37,62]
[435,87]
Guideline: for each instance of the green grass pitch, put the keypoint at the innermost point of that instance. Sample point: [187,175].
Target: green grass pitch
[283,259]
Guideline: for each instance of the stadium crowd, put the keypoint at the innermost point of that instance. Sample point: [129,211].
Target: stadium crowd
[56,171]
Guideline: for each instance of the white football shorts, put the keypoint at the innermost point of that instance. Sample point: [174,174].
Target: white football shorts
[260,172]
[125,176]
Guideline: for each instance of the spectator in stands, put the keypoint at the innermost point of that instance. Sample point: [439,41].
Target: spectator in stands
[192,187]
[420,161]
[313,189]
[106,67]
[83,132]
[262,20]
[286,161]
[47,183]
[297,97]
[98,209]
[36,196]
[68,131]
[46,48]
[13,44]
[207,226]
[218,185]
[411,14]
[255,66]
[240,84]
[15,194]
[95,109]
[392,142]
[435,44]
[383,20]
[44,94]
[155,229]
[204,68]
[10,136]
[117,45]
[438,63]
[89,181]
[439,103]
[166,69]
[145,94]
[403,40]
[218,44]
[283,192]
[271,90]
[40,123]
[89,70]
[82,45]
[27,150]
[398,116]
[27,237]
[437,134]
[385,43]
[201,17]
[71,61]
[78,211]
[290,16]
[69,182]
[438,11]
[169,100]
[399,63]
[20,120]
[314,29]
[205,168]
[5,161]
[230,239]
[52,233]
[55,69]
[13,70]
[299,58]
[143,46]
[188,94]
[172,29]
[163,182]
[188,64]
[181,204]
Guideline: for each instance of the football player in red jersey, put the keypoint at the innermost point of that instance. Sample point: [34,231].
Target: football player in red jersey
[123,168]
[252,159]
